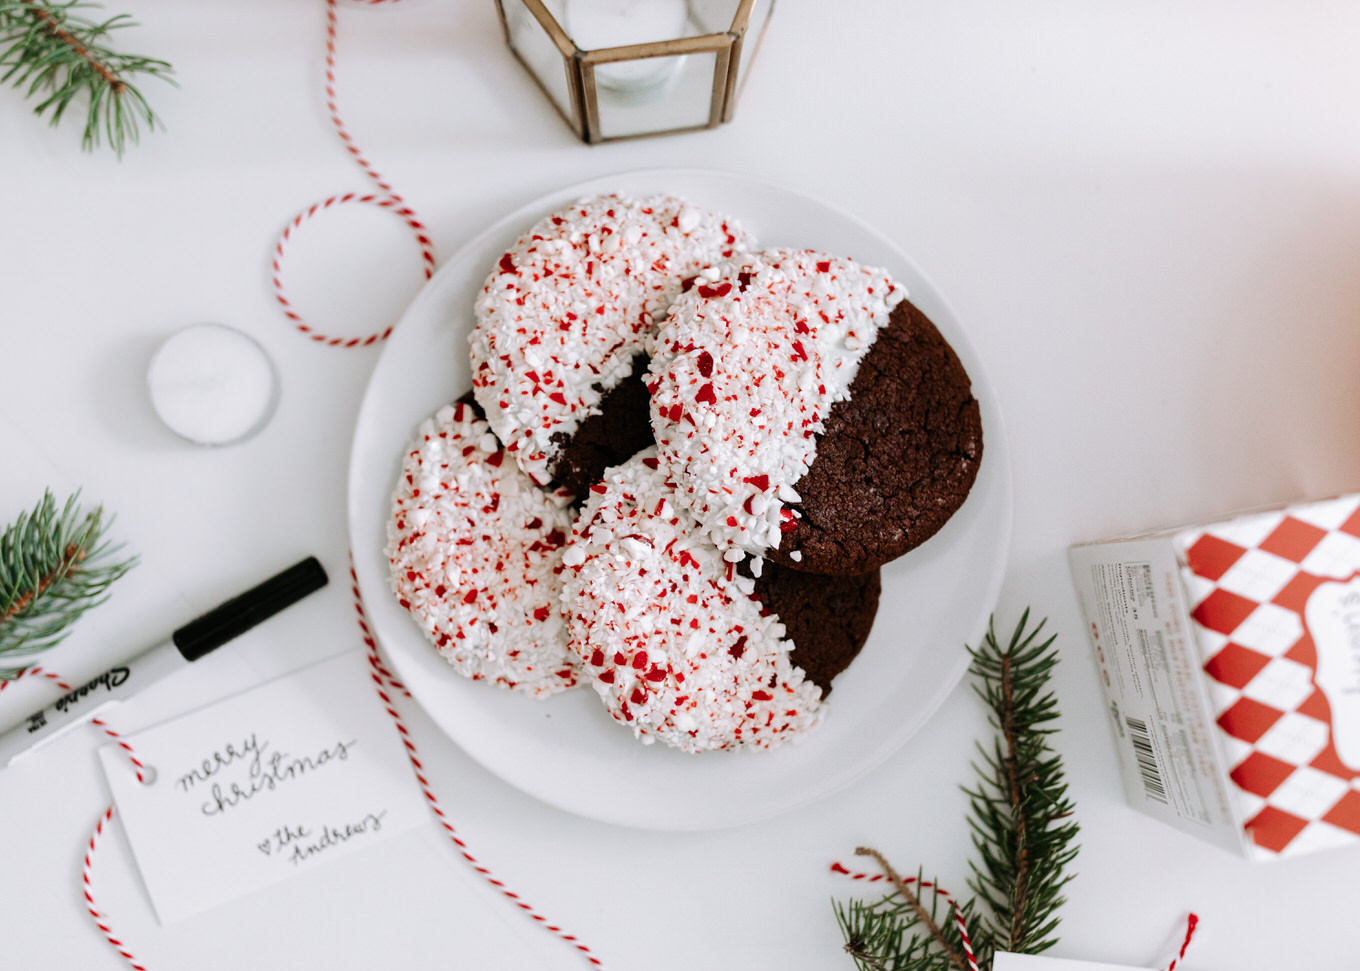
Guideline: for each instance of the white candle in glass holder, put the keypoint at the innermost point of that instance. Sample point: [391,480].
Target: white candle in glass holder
[594,24]
[212,384]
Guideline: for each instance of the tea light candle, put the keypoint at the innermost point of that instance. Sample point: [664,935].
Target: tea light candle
[212,384]
[593,24]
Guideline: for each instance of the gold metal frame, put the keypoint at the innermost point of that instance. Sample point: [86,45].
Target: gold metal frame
[740,23]
[718,44]
[570,52]
[579,66]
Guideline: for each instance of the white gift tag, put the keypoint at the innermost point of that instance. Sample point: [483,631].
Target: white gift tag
[1004,961]
[250,790]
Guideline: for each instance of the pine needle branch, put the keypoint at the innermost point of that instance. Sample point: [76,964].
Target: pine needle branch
[903,930]
[926,917]
[1020,814]
[55,564]
[49,50]
[1022,828]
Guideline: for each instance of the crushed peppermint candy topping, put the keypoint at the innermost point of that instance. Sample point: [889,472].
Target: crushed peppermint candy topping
[574,301]
[668,631]
[743,374]
[475,551]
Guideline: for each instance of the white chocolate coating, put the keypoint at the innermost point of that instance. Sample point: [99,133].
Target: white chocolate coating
[475,551]
[743,374]
[562,316]
[666,629]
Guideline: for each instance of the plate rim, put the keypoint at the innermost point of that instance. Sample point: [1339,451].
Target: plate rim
[998,442]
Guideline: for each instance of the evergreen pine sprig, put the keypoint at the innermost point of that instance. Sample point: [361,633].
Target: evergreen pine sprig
[55,564]
[1022,826]
[1021,816]
[905,929]
[49,50]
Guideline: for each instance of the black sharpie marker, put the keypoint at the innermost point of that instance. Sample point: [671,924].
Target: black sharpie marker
[194,640]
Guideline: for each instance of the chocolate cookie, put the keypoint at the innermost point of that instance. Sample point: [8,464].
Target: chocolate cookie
[672,634]
[895,459]
[827,618]
[757,378]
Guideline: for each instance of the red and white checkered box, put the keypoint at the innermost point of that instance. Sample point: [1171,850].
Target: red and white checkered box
[1229,654]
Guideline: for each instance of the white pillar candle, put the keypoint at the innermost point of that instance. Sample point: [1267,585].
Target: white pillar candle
[212,384]
[594,24]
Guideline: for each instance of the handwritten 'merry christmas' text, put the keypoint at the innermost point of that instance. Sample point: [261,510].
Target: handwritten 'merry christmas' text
[264,771]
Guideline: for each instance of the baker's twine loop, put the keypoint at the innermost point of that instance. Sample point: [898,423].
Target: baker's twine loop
[385,198]
[145,775]
[1191,921]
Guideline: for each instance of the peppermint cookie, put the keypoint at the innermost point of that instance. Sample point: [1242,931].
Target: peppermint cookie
[810,414]
[896,459]
[563,320]
[475,550]
[671,633]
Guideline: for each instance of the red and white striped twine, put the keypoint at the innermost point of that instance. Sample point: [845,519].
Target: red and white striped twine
[37,672]
[386,198]
[1191,921]
[382,680]
[88,865]
[99,919]
[144,774]
[925,885]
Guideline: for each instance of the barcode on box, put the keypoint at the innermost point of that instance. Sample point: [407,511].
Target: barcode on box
[1134,595]
[1147,759]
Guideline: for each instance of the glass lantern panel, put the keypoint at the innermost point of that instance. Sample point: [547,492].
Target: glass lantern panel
[712,16]
[597,24]
[532,43]
[655,94]
[751,42]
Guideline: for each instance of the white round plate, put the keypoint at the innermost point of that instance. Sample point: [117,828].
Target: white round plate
[566,750]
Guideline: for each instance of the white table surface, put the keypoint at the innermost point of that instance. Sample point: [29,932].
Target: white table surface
[1146,214]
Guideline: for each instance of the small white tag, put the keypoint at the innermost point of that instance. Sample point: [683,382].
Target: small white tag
[250,790]
[1005,961]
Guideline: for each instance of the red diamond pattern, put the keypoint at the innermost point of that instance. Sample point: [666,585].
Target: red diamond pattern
[1261,774]
[1346,813]
[1248,720]
[1210,557]
[1222,611]
[1303,652]
[1293,539]
[1236,665]
[1296,592]
[1274,829]
[1237,669]
[1316,706]
[1328,761]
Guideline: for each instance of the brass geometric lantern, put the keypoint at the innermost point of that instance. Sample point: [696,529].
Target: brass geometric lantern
[624,68]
